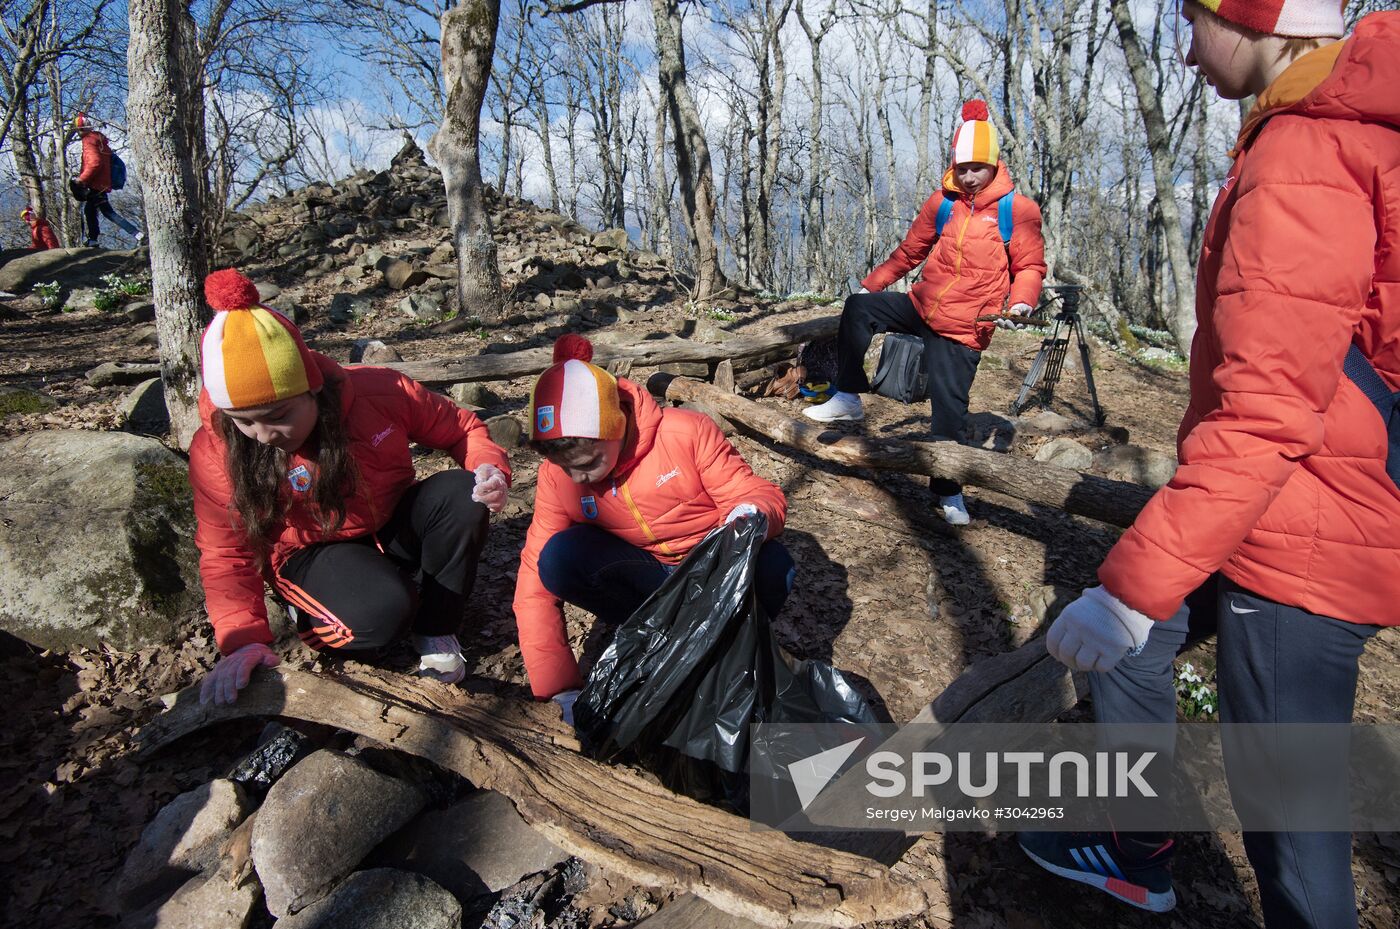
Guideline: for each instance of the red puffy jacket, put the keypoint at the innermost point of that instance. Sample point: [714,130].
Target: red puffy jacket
[1282,484]
[970,271]
[384,411]
[96,170]
[677,479]
[41,234]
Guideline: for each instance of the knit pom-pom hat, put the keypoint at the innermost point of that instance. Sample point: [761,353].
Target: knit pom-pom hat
[251,356]
[1302,19]
[976,139]
[575,398]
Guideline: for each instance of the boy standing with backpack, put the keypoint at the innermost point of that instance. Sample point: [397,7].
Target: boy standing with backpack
[101,173]
[983,247]
[1282,514]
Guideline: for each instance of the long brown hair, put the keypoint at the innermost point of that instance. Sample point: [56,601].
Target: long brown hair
[257,472]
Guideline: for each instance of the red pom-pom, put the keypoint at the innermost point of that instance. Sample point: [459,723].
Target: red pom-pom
[229,290]
[570,346]
[974,109]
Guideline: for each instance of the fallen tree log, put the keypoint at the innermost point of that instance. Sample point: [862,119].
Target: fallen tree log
[609,815]
[1109,501]
[442,371]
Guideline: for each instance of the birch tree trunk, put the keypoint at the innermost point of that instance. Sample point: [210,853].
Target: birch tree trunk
[1180,313]
[468,44]
[165,117]
[814,197]
[692,151]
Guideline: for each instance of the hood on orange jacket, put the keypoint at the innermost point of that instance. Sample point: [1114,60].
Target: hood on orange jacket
[969,271]
[1282,484]
[677,479]
[384,412]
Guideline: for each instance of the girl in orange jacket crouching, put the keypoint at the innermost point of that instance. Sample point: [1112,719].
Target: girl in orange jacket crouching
[626,490]
[303,478]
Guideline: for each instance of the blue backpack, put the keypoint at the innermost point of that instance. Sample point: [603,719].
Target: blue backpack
[118,172]
[1364,376]
[1005,221]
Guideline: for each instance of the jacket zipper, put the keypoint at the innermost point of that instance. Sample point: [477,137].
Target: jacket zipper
[641,520]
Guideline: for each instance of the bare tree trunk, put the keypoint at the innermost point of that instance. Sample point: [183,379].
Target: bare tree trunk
[164,105]
[662,238]
[922,181]
[468,44]
[547,148]
[1181,312]
[814,198]
[692,150]
[26,164]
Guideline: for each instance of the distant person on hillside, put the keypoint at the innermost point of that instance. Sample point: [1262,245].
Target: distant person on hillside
[1281,520]
[983,247]
[41,234]
[626,490]
[94,183]
[303,478]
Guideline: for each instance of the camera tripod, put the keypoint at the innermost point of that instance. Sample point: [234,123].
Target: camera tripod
[1049,361]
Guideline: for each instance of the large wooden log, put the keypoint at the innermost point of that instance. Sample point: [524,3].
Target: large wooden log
[1114,502]
[441,371]
[606,814]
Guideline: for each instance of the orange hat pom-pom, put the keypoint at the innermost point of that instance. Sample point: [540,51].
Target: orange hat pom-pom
[569,347]
[230,290]
[975,109]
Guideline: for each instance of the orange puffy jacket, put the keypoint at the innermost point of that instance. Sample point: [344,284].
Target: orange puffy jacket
[383,411]
[676,480]
[96,170]
[1282,484]
[41,234]
[970,271]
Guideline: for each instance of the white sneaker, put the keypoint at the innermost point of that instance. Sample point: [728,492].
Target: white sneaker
[954,510]
[140,239]
[440,657]
[841,407]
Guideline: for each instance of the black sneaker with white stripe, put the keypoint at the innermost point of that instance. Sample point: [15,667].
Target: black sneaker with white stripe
[1135,872]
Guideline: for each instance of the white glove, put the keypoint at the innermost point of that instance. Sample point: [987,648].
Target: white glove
[1097,631]
[566,700]
[740,511]
[1020,309]
[491,487]
[231,673]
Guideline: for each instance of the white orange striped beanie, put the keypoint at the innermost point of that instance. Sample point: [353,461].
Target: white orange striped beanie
[251,356]
[1302,19]
[976,139]
[575,399]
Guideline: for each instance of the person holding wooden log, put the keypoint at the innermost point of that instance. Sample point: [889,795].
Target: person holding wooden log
[303,478]
[1280,522]
[625,490]
[980,244]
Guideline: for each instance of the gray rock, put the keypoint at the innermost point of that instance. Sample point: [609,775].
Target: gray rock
[506,431]
[1137,464]
[209,901]
[24,400]
[319,821]
[373,352]
[1065,453]
[1046,422]
[990,431]
[97,541]
[381,898]
[474,394]
[443,272]
[144,336]
[143,411]
[288,250]
[476,846]
[443,254]
[182,840]
[268,292]
[611,240]
[566,305]
[426,306]
[71,267]
[83,298]
[374,258]
[400,275]
[246,239]
[142,311]
[121,373]
[347,307]
[544,301]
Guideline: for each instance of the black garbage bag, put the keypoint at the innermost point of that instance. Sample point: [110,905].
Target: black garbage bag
[696,665]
